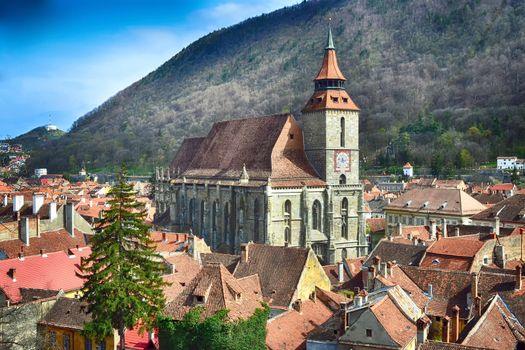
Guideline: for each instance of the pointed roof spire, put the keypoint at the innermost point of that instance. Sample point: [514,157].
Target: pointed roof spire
[330,41]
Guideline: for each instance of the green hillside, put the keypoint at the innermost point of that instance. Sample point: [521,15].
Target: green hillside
[37,138]
[440,83]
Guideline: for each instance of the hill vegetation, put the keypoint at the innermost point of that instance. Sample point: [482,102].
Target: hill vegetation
[36,138]
[439,83]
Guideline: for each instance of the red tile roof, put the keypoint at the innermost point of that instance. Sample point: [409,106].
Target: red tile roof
[135,341]
[291,329]
[407,166]
[376,224]
[174,242]
[502,187]
[402,330]
[55,271]
[186,268]
[330,68]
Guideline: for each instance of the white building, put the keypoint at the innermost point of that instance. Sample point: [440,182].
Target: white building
[408,170]
[51,127]
[509,163]
[40,172]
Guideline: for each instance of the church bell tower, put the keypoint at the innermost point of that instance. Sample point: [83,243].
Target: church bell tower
[331,124]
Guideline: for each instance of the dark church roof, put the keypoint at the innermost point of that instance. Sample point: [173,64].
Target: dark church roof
[188,149]
[269,147]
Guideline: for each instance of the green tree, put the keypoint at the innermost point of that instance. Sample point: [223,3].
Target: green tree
[215,332]
[464,159]
[124,283]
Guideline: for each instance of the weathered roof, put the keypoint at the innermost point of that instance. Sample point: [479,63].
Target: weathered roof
[219,290]
[279,269]
[187,151]
[437,200]
[489,198]
[511,209]
[453,253]
[68,313]
[403,254]
[437,345]
[330,99]
[449,288]
[228,260]
[400,278]
[186,268]
[495,317]
[269,147]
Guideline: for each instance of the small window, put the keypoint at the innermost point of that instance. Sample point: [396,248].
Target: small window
[485,260]
[345,100]
[369,333]
[319,99]
[200,298]
[87,344]
[101,345]
[66,342]
[342,179]
[335,99]
[53,339]
[291,136]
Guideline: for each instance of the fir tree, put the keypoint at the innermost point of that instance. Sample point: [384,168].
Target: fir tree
[123,274]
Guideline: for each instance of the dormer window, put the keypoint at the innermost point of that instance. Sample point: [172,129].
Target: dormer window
[345,100]
[319,99]
[369,333]
[335,99]
[199,298]
[291,136]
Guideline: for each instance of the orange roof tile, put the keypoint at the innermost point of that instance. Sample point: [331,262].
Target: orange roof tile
[330,68]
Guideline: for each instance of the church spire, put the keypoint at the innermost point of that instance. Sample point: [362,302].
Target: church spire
[330,41]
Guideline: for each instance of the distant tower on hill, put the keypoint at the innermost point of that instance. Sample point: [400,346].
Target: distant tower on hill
[51,127]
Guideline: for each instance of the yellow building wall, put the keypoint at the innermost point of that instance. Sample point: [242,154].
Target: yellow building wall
[77,339]
[313,276]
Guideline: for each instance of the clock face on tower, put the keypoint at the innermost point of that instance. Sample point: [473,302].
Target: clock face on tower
[342,160]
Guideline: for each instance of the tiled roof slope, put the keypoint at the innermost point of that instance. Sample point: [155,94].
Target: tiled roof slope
[220,290]
[187,151]
[261,144]
[290,329]
[56,271]
[402,330]
[186,268]
[68,313]
[435,345]
[452,253]
[458,202]
[228,260]
[449,288]
[403,254]
[279,269]
[495,317]
[511,209]
[398,277]
[51,241]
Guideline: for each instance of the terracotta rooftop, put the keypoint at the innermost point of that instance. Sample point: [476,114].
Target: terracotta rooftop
[437,345]
[437,200]
[403,254]
[278,284]
[488,198]
[402,330]
[503,187]
[400,278]
[496,316]
[330,99]
[228,260]
[453,253]
[511,209]
[214,288]
[186,268]
[290,329]
[407,166]
[376,224]
[56,271]
[68,313]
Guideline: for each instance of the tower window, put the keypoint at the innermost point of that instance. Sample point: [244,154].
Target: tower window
[345,100]
[319,99]
[342,179]
[335,99]
[316,216]
[342,132]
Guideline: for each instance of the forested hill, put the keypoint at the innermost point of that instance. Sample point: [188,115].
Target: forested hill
[439,82]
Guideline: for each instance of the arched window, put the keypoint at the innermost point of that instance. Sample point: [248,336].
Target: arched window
[287,209]
[214,212]
[226,221]
[342,132]
[287,235]
[342,179]
[256,221]
[316,216]
[203,208]
[191,218]
[344,218]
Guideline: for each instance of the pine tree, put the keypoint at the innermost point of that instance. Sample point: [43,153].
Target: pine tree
[123,274]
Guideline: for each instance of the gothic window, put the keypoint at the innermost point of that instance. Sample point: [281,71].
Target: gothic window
[287,235]
[287,209]
[342,132]
[316,216]
[214,215]
[203,206]
[226,221]
[256,221]
[342,179]
[192,213]
[344,218]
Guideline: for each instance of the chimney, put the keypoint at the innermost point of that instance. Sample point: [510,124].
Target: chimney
[21,256]
[6,200]
[344,317]
[438,235]
[52,211]
[244,252]
[430,291]
[422,329]
[164,238]
[456,231]
[519,283]
[399,229]
[445,232]
[445,337]
[474,279]
[477,306]
[389,266]
[23,229]
[38,201]
[38,225]
[364,295]
[433,229]
[340,272]
[371,275]
[43,253]
[409,236]
[358,301]
[377,262]
[70,218]
[383,271]
[18,203]
[455,323]
[70,253]
[496,225]
[415,240]
[12,274]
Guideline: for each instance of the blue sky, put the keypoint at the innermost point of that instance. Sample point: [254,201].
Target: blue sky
[59,59]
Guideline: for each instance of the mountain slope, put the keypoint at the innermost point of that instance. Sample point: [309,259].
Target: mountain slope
[37,138]
[427,75]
